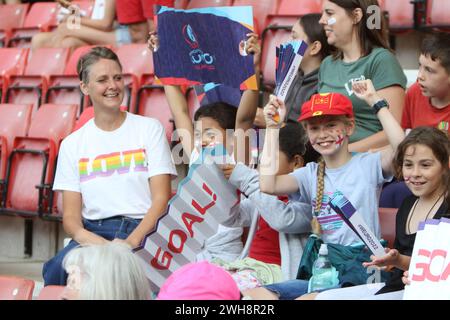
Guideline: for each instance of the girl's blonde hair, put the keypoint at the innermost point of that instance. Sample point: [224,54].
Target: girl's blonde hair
[109,272]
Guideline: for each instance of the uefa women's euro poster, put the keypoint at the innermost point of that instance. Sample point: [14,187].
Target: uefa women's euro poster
[204,45]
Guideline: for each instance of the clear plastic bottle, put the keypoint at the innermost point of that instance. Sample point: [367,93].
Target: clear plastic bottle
[324,274]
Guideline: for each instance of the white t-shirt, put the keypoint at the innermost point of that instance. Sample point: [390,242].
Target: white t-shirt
[360,180]
[111,169]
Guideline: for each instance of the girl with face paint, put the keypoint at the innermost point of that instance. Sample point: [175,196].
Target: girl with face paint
[356,28]
[422,160]
[328,120]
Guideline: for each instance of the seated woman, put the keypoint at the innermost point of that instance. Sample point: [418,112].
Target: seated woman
[105,272]
[75,30]
[114,172]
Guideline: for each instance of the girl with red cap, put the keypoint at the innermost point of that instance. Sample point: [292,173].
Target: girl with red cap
[329,123]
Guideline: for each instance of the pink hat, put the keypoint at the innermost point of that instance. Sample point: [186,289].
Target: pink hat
[199,281]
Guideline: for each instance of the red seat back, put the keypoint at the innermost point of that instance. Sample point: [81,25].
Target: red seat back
[180,4]
[16,288]
[299,8]
[12,15]
[401,14]
[387,223]
[209,3]
[12,61]
[49,126]
[153,103]
[14,122]
[261,10]
[51,293]
[135,59]
[438,13]
[41,15]
[47,61]
[272,39]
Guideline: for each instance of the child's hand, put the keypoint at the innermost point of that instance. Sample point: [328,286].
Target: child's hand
[227,169]
[365,90]
[405,278]
[274,112]
[389,259]
[153,41]
[253,47]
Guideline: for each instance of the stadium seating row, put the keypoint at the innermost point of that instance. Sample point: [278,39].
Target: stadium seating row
[18,288]
[18,23]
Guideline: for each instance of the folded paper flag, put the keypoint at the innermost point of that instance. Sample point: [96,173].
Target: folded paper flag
[288,59]
[342,206]
[204,45]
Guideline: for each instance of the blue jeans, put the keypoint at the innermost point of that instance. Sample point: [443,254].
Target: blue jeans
[290,289]
[110,228]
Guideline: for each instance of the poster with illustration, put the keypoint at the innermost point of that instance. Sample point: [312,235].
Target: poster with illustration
[204,45]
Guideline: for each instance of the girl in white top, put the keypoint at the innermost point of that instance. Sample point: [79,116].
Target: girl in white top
[329,122]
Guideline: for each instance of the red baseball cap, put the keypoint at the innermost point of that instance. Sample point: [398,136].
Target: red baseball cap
[324,104]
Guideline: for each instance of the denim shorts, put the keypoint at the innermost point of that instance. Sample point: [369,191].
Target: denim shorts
[122,35]
[289,290]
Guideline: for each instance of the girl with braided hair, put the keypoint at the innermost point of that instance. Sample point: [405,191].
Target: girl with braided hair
[329,122]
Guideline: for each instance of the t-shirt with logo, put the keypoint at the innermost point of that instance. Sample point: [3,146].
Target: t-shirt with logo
[111,169]
[419,111]
[359,180]
[380,66]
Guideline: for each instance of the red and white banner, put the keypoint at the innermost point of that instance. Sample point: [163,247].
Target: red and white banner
[429,270]
[204,199]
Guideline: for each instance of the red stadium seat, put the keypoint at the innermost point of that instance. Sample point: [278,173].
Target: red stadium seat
[51,293]
[261,10]
[209,3]
[14,122]
[437,14]
[11,16]
[42,17]
[401,14]
[152,102]
[65,88]
[31,164]
[277,32]
[299,8]
[16,288]
[387,223]
[12,62]
[32,86]
[137,61]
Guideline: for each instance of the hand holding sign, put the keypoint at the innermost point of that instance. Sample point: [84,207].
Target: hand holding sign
[274,112]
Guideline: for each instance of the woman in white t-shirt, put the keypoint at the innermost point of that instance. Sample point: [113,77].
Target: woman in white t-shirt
[114,172]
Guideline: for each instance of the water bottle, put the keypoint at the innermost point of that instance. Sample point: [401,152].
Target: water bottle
[324,274]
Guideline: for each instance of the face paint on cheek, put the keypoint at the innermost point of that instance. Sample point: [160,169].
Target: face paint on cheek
[339,141]
[331,21]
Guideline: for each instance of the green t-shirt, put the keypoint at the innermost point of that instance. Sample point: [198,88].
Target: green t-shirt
[380,66]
